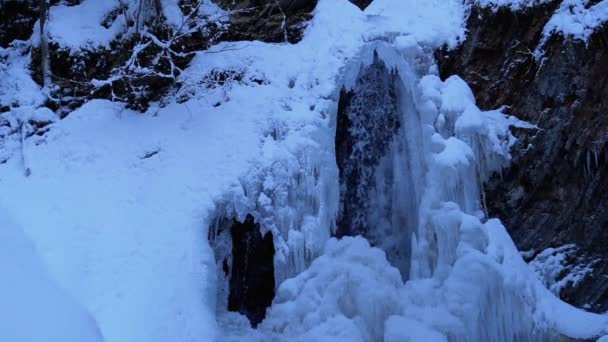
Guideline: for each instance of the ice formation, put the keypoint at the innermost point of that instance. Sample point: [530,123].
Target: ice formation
[465,279]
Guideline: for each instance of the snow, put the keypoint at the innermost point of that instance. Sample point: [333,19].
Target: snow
[432,22]
[346,294]
[17,87]
[554,271]
[84,27]
[119,204]
[401,329]
[34,308]
[22,96]
[95,23]
[577,18]
[123,234]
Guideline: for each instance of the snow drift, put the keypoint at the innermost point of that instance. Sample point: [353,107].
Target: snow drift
[34,307]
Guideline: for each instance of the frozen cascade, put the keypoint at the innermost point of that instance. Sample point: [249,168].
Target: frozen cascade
[426,192]
[462,279]
[379,161]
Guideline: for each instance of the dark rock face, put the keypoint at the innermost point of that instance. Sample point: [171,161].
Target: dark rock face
[252,285]
[267,20]
[17,20]
[555,192]
[368,119]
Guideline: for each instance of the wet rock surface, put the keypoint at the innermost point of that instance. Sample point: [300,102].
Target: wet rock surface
[555,192]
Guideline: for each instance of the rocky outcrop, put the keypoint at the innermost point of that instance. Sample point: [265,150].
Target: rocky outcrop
[269,21]
[114,71]
[555,192]
[17,19]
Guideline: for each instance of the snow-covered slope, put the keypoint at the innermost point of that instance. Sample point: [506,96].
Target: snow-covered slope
[34,307]
[119,203]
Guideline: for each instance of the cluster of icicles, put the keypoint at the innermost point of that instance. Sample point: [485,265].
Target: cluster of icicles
[463,280]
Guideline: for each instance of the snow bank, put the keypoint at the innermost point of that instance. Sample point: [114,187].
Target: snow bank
[32,306]
[550,313]
[346,294]
[22,97]
[432,22]
[116,205]
[95,23]
[577,18]
[80,26]
[17,87]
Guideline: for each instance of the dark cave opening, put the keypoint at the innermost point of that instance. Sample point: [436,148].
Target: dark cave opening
[252,281]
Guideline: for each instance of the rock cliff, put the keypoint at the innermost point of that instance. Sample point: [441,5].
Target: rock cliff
[554,194]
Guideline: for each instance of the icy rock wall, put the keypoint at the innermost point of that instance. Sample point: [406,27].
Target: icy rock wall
[553,193]
[292,197]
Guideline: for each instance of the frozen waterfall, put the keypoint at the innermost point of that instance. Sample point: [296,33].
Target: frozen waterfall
[411,155]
